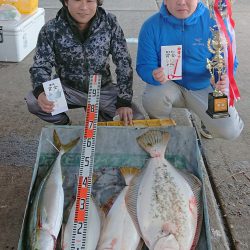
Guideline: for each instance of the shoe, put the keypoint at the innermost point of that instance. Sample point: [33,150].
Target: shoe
[204,132]
[68,123]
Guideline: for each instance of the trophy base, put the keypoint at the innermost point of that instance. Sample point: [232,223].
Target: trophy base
[217,106]
[217,115]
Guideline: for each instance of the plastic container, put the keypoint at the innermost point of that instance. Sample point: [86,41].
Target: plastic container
[123,150]
[23,6]
[19,38]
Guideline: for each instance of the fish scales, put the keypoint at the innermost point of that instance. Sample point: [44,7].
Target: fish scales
[166,205]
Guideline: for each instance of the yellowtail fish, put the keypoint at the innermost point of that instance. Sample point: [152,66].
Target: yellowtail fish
[163,201]
[46,213]
[94,227]
[119,231]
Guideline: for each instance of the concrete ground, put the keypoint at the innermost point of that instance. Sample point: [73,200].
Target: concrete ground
[227,162]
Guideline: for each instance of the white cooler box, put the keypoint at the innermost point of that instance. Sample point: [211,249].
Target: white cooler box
[19,38]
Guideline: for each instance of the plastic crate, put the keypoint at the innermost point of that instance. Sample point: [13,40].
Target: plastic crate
[115,147]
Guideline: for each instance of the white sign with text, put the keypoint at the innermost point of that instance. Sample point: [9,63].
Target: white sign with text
[54,92]
[171,61]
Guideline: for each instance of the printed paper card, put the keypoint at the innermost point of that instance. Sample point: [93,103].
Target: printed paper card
[54,92]
[171,61]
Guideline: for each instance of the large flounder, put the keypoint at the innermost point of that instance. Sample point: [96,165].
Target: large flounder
[164,202]
[119,231]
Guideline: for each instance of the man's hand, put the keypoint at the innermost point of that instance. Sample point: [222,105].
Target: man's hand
[221,85]
[159,75]
[125,114]
[46,105]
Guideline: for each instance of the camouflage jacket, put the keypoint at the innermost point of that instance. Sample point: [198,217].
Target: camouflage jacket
[74,59]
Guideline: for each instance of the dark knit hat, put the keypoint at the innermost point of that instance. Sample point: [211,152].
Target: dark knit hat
[99,2]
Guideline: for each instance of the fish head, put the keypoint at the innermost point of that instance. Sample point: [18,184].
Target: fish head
[167,243]
[43,240]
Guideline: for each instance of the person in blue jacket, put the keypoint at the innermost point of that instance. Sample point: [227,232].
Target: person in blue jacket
[186,23]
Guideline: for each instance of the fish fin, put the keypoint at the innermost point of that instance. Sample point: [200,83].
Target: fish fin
[101,214]
[129,172]
[68,209]
[131,198]
[94,178]
[107,205]
[62,235]
[196,187]
[44,217]
[140,245]
[56,140]
[65,147]
[63,178]
[154,142]
[199,202]
[195,184]
[39,220]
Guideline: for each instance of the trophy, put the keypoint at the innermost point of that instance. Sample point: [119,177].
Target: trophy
[217,101]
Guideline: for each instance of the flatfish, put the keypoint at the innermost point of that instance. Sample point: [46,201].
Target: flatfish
[94,227]
[119,231]
[163,201]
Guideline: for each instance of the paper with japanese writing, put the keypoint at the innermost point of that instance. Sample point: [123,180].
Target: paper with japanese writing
[171,61]
[54,92]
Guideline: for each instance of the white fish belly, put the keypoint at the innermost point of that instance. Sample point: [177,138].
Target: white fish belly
[165,205]
[52,201]
[51,209]
[119,232]
[44,241]
[94,227]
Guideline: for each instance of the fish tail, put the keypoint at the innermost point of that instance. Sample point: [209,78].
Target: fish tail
[65,147]
[154,142]
[129,172]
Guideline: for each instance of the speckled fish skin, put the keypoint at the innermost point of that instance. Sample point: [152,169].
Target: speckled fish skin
[166,205]
[94,227]
[47,208]
[119,232]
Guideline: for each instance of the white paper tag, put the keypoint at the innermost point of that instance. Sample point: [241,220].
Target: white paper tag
[171,61]
[54,92]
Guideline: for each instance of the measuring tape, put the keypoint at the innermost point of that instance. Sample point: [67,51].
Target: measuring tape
[79,232]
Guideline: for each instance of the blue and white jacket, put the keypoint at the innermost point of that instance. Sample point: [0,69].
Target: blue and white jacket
[192,33]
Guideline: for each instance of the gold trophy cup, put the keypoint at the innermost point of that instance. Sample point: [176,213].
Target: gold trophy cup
[217,101]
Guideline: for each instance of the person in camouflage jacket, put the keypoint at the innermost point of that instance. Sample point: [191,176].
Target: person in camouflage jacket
[78,43]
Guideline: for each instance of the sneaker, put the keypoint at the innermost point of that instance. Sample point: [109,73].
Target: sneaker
[204,132]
